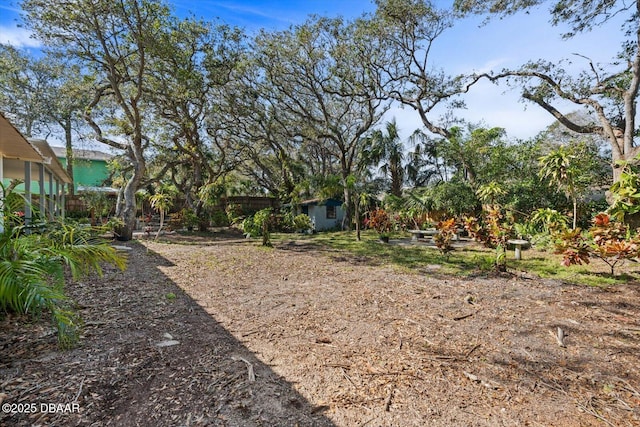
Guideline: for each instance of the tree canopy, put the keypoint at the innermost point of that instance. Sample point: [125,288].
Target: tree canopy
[206,109]
[608,91]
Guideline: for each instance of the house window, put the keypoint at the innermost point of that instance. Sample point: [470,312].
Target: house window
[331,212]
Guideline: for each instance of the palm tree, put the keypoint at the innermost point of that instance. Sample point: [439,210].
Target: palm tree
[388,149]
[490,193]
[425,166]
[161,202]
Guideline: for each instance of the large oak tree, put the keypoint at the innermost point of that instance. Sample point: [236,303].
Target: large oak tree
[608,91]
[408,30]
[323,88]
[190,69]
[111,39]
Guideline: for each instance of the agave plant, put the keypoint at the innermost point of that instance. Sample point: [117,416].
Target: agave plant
[33,263]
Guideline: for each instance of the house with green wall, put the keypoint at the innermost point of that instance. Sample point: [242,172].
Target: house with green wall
[32,164]
[89,168]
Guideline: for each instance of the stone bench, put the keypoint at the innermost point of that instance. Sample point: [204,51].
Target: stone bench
[518,244]
[420,234]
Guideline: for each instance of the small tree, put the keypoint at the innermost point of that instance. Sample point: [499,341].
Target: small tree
[259,224]
[380,221]
[607,240]
[446,232]
[264,219]
[499,232]
[494,231]
[568,168]
[161,202]
[98,205]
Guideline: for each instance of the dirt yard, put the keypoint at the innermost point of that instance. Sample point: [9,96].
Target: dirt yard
[225,332]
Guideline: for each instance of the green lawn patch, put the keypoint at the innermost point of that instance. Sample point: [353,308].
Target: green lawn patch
[462,261]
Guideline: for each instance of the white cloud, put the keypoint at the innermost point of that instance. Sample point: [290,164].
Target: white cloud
[256,11]
[15,10]
[492,65]
[18,37]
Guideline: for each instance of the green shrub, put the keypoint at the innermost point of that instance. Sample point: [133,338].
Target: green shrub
[524,230]
[285,222]
[455,198]
[250,228]
[302,222]
[548,221]
[259,224]
[542,227]
[264,219]
[99,203]
[184,218]
[80,214]
[32,269]
[626,192]
[190,219]
[219,218]
[543,241]
[234,213]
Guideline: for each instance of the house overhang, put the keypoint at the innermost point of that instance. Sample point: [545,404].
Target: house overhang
[48,157]
[13,145]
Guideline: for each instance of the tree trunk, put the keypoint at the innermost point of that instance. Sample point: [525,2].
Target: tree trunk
[616,156]
[396,179]
[161,223]
[357,215]
[128,213]
[629,157]
[346,221]
[69,154]
[127,210]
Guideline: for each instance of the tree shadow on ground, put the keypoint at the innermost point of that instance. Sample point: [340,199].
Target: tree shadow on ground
[148,355]
[470,343]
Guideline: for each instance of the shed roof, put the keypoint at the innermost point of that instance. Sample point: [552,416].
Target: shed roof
[96,189]
[61,152]
[321,202]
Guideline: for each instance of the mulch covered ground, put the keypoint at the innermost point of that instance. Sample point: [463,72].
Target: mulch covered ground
[221,331]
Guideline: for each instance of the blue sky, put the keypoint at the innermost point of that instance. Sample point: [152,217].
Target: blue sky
[465,48]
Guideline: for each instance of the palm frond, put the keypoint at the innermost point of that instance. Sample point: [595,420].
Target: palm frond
[32,269]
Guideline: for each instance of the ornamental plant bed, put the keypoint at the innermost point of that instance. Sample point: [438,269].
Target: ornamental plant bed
[299,335]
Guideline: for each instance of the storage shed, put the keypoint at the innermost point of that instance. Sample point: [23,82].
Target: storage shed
[325,214]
